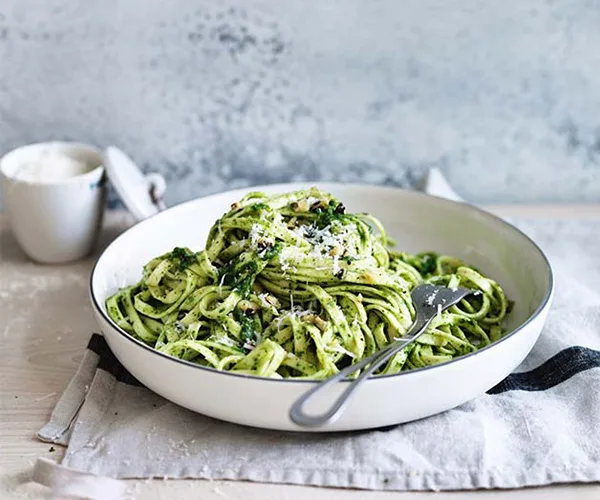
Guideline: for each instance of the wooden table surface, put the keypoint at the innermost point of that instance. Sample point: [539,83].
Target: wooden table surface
[46,320]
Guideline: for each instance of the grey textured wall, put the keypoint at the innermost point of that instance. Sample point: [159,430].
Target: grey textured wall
[502,96]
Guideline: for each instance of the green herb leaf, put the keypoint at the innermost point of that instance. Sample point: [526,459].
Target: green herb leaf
[182,257]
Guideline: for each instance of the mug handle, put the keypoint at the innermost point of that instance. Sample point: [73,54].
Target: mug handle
[156,188]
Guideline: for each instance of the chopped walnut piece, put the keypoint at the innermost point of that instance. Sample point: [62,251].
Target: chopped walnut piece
[248,306]
[369,277]
[316,320]
[300,206]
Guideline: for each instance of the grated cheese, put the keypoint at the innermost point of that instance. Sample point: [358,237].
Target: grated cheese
[255,234]
[295,312]
[336,264]
[226,341]
[221,284]
[263,300]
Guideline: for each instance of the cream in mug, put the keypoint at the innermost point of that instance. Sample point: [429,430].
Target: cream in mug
[53,164]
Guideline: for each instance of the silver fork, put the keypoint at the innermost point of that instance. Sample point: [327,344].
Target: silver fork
[429,300]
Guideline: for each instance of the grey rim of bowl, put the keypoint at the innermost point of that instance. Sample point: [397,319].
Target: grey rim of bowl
[436,199]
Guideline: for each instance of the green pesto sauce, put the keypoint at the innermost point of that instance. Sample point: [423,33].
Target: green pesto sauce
[332,212]
[271,252]
[239,277]
[182,257]
[425,263]
[258,207]
[248,331]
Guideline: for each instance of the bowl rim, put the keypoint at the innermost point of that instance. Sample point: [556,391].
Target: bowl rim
[328,186]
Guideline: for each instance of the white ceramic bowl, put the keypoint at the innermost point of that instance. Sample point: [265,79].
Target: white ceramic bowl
[418,223]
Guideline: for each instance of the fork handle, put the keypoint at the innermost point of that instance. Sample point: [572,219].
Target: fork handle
[300,417]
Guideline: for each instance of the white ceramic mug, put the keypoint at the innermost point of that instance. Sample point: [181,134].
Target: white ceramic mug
[55,218]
